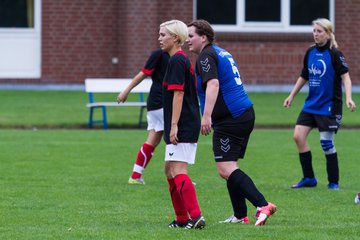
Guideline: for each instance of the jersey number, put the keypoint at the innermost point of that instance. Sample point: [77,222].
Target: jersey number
[235,71]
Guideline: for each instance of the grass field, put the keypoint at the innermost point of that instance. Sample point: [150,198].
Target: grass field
[59,180]
[66,109]
[72,184]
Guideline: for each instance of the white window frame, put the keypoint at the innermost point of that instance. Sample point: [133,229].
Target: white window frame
[282,26]
[21,49]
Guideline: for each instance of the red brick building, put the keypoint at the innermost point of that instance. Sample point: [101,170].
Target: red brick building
[85,38]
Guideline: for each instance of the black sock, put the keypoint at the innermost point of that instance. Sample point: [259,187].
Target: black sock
[238,201]
[247,188]
[332,168]
[306,164]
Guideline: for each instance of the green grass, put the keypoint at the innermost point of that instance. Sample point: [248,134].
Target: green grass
[57,183]
[72,184]
[59,109]
[66,109]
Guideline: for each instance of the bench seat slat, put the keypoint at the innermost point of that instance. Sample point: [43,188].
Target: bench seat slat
[115,85]
[115,104]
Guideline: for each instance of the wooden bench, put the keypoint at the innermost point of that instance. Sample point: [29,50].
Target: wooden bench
[107,85]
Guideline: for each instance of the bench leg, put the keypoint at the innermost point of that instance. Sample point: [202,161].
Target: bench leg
[142,108]
[103,120]
[91,117]
[104,117]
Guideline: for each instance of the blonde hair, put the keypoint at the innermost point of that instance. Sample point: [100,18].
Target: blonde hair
[328,27]
[177,28]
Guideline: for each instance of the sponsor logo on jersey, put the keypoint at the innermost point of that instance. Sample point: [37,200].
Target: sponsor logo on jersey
[205,65]
[318,69]
[224,53]
[343,61]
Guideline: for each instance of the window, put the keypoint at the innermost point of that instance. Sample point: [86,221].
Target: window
[17,13]
[20,39]
[210,11]
[263,15]
[263,11]
[303,13]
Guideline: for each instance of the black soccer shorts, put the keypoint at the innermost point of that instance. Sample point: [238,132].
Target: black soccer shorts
[323,123]
[231,136]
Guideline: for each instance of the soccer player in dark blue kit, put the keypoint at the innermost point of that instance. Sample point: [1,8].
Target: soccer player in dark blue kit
[227,109]
[155,67]
[325,69]
[181,125]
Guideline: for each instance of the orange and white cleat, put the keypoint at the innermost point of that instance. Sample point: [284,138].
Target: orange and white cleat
[264,213]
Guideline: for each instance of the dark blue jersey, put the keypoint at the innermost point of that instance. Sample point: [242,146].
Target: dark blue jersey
[216,63]
[323,68]
[155,67]
[180,76]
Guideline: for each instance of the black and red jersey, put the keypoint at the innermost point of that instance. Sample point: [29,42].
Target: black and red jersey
[180,76]
[155,67]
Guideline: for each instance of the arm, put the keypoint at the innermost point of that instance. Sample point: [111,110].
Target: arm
[212,91]
[176,111]
[135,81]
[298,85]
[347,84]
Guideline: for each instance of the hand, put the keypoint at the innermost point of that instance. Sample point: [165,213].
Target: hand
[205,125]
[351,105]
[121,97]
[287,102]
[173,134]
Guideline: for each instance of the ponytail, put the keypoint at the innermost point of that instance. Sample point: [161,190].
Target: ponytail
[333,42]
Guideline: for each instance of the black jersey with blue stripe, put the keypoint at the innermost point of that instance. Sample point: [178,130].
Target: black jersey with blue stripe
[216,63]
[323,68]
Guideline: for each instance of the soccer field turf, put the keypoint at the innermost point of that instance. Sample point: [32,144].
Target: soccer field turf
[66,109]
[72,184]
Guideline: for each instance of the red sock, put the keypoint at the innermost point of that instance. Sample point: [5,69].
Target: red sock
[187,191]
[178,205]
[143,158]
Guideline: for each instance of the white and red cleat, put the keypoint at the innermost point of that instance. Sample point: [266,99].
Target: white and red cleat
[233,219]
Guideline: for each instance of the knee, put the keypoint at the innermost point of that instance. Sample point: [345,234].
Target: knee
[157,141]
[328,146]
[297,138]
[167,171]
[224,173]
[168,174]
[327,142]
[226,168]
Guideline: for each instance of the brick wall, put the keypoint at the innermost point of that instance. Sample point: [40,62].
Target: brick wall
[347,34]
[140,29]
[80,38]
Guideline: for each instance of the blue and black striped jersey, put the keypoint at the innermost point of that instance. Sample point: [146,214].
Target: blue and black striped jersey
[216,63]
[323,68]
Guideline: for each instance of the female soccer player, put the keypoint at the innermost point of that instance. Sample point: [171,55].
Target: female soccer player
[325,69]
[227,109]
[155,67]
[181,125]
